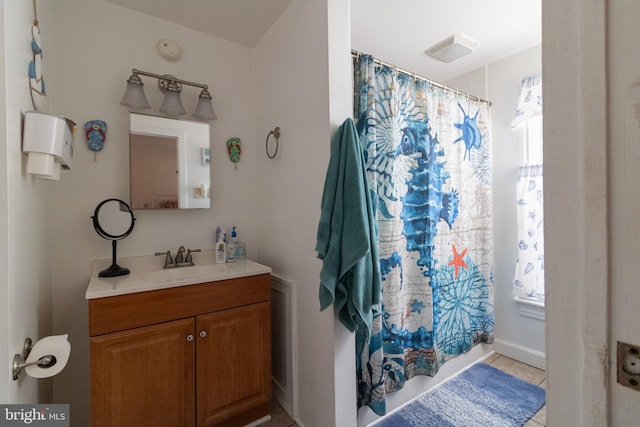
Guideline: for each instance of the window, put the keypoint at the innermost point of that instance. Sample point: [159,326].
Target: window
[528,282]
[533,141]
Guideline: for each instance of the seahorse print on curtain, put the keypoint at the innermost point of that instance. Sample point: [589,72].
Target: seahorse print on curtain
[429,170]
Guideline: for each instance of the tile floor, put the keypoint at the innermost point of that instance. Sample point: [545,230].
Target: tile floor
[279,418]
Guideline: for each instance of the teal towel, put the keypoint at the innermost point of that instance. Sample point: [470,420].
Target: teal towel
[347,234]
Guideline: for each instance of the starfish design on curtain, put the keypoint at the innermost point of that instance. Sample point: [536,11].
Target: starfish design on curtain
[457,260]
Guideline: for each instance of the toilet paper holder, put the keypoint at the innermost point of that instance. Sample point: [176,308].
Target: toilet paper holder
[19,359]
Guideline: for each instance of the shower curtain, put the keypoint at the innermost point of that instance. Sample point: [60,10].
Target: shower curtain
[428,158]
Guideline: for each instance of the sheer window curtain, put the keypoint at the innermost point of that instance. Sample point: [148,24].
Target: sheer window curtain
[528,282]
[530,100]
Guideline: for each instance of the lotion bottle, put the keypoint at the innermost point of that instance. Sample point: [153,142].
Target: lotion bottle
[221,249]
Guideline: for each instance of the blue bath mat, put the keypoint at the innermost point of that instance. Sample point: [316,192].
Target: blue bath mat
[480,396]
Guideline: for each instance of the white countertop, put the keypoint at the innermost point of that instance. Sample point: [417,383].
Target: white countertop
[147,274]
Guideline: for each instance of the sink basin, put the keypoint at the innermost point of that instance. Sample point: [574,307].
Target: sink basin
[147,274]
[172,275]
[204,272]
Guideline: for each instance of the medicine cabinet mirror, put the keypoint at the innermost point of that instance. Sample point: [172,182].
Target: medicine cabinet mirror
[168,163]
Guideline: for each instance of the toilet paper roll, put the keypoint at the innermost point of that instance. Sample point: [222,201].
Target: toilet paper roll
[42,165]
[57,346]
[55,176]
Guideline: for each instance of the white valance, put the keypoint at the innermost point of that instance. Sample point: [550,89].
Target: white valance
[530,100]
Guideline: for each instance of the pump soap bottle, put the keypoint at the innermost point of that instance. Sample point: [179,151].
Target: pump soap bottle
[241,253]
[231,247]
[221,247]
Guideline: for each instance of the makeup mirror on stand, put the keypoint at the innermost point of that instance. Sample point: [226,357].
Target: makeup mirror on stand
[113,220]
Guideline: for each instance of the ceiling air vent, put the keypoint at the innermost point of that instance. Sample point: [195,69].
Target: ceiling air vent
[452,48]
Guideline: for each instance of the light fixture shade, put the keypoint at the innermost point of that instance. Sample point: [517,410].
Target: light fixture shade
[204,109]
[172,104]
[171,86]
[134,96]
[452,48]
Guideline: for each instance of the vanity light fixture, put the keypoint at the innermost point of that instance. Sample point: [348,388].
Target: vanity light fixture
[171,86]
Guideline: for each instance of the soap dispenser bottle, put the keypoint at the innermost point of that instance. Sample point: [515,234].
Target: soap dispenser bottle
[241,254]
[231,247]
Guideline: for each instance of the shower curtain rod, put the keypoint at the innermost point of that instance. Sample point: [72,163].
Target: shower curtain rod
[356,54]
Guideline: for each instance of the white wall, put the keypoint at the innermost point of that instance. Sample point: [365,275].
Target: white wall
[292,91]
[517,336]
[96,45]
[26,251]
[341,107]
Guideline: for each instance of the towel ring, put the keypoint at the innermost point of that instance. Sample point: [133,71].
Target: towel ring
[276,134]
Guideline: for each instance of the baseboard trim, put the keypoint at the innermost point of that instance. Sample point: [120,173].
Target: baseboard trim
[281,396]
[283,324]
[520,353]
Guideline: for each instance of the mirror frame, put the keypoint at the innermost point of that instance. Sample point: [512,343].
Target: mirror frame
[124,207]
[191,154]
[114,270]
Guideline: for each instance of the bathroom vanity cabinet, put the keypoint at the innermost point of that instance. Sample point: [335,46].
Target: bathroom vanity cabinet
[191,355]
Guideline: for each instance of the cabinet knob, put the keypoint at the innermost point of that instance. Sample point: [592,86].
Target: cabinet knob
[203,334]
[189,337]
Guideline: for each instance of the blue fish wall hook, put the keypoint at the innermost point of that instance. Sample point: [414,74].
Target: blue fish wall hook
[96,132]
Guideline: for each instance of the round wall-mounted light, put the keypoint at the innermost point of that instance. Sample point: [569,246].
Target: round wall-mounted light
[169,50]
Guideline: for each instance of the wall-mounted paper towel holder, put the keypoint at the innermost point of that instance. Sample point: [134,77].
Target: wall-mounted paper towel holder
[48,142]
[19,359]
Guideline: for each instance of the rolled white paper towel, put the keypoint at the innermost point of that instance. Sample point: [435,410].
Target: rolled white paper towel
[57,346]
[40,164]
[55,175]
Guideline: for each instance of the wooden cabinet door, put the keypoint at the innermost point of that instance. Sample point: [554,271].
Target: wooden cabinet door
[233,365]
[144,376]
